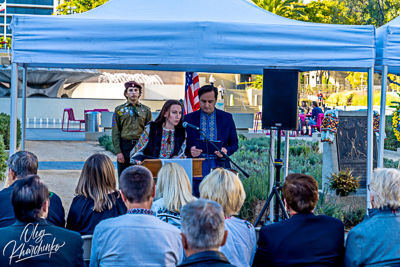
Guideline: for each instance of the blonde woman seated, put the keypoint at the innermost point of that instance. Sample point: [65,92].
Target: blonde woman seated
[173,191]
[97,196]
[225,187]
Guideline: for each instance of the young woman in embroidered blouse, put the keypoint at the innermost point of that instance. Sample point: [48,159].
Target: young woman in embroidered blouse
[163,138]
[173,191]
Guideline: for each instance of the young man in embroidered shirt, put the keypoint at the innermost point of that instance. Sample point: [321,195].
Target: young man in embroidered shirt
[137,238]
[217,125]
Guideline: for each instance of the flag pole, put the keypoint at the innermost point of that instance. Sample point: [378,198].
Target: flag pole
[5,24]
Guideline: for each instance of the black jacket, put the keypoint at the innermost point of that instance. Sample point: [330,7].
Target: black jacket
[83,219]
[55,217]
[303,240]
[206,259]
[40,244]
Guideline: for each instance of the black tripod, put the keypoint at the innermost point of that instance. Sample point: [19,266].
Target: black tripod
[275,189]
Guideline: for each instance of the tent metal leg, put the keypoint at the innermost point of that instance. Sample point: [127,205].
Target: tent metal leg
[370,129]
[24,82]
[286,156]
[13,111]
[382,117]
[271,172]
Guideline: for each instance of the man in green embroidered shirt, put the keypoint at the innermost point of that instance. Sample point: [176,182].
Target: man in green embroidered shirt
[128,124]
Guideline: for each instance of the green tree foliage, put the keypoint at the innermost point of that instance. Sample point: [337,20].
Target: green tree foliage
[291,9]
[81,6]
[370,12]
[8,41]
[326,11]
[357,79]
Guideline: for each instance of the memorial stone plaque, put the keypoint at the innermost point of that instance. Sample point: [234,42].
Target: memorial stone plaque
[352,144]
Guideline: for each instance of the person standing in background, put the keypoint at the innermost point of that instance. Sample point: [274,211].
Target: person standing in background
[128,123]
[212,80]
[320,97]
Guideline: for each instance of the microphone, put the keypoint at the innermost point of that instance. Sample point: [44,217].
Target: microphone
[188,125]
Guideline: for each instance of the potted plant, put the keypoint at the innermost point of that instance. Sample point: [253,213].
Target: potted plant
[343,182]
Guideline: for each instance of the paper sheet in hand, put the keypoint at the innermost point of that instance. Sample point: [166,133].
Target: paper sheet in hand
[202,144]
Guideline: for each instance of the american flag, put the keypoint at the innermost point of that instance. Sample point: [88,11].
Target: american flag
[192,86]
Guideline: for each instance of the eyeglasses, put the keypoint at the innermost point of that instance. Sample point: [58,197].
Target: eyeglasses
[50,195]
[235,172]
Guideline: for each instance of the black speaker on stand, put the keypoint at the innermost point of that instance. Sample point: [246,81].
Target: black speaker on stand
[280,101]
[280,112]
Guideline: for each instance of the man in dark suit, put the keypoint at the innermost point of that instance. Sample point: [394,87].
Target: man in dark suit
[31,241]
[305,239]
[21,164]
[217,125]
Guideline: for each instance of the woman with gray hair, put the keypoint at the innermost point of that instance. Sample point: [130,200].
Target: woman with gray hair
[224,187]
[375,242]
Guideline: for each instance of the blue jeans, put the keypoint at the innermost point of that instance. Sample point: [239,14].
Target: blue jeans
[312,122]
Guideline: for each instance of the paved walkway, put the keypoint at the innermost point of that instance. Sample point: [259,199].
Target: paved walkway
[63,165]
[53,135]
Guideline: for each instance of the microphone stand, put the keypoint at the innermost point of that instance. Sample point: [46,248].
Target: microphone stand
[222,153]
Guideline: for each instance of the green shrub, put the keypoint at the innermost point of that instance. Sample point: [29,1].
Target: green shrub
[352,217]
[254,157]
[3,159]
[391,142]
[327,206]
[389,163]
[106,142]
[5,130]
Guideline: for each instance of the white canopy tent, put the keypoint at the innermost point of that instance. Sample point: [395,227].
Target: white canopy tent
[229,36]
[387,61]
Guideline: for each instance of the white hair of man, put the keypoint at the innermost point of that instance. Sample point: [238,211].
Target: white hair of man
[385,188]
[203,223]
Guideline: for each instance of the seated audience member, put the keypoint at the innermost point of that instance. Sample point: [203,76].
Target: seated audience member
[304,108]
[31,241]
[172,193]
[305,239]
[314,113]
[19,165]
[375,242]
[203,233]
[137,238]
[97,196]
[225,187]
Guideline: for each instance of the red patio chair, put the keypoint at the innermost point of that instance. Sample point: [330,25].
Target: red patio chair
[71,117]
[320,117]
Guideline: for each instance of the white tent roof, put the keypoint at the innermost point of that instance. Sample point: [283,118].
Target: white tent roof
[388,46]
[193,35]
